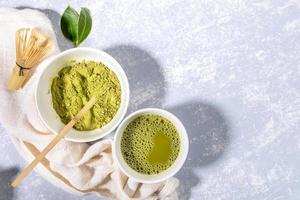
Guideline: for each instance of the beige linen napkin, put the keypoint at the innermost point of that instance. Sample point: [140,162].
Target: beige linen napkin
[77,167]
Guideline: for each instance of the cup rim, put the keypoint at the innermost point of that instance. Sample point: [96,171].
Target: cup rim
[173,169]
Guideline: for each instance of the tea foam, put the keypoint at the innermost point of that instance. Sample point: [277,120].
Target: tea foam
[150,144]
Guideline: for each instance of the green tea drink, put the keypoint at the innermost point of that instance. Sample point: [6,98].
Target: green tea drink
[150,144]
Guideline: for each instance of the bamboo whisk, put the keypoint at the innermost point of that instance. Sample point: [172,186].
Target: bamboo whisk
[32,46]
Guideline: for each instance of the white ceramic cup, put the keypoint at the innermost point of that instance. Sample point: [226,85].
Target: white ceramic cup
[173,169]
[44,98]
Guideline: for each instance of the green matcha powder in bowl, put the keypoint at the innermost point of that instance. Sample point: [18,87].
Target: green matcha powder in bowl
[69,80]
[76,84]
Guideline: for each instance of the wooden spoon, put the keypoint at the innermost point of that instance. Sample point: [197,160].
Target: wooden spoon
[58,137]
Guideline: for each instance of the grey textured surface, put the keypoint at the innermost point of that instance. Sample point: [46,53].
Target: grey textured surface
[229,69]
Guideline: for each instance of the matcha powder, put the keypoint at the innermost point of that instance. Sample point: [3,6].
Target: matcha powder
[76,84]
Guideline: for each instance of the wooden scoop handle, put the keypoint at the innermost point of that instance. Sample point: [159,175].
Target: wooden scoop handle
[57,138]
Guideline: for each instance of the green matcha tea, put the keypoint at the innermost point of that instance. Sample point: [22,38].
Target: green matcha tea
[76,84]
[150,144]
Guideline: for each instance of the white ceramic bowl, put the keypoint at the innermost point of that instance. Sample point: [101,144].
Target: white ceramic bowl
[44,99]
[174,168]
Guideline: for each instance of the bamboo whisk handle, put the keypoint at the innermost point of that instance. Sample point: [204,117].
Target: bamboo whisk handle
[17,80]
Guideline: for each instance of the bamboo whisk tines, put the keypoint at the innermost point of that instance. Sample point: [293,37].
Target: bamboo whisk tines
[32,46]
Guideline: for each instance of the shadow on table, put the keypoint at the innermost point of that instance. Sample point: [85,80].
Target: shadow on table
[208,134]
[146,81]
[54,17]
[205,124]
[6,177]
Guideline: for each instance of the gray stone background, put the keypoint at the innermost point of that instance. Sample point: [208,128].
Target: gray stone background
[229,69]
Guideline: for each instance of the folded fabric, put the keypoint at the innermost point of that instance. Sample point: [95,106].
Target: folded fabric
[77,167]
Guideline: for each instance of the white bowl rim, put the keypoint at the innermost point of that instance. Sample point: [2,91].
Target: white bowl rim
[173,169]
[123,74]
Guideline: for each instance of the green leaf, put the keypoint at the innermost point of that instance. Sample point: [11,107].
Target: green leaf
[69,24]
[84,25]
[76,27]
